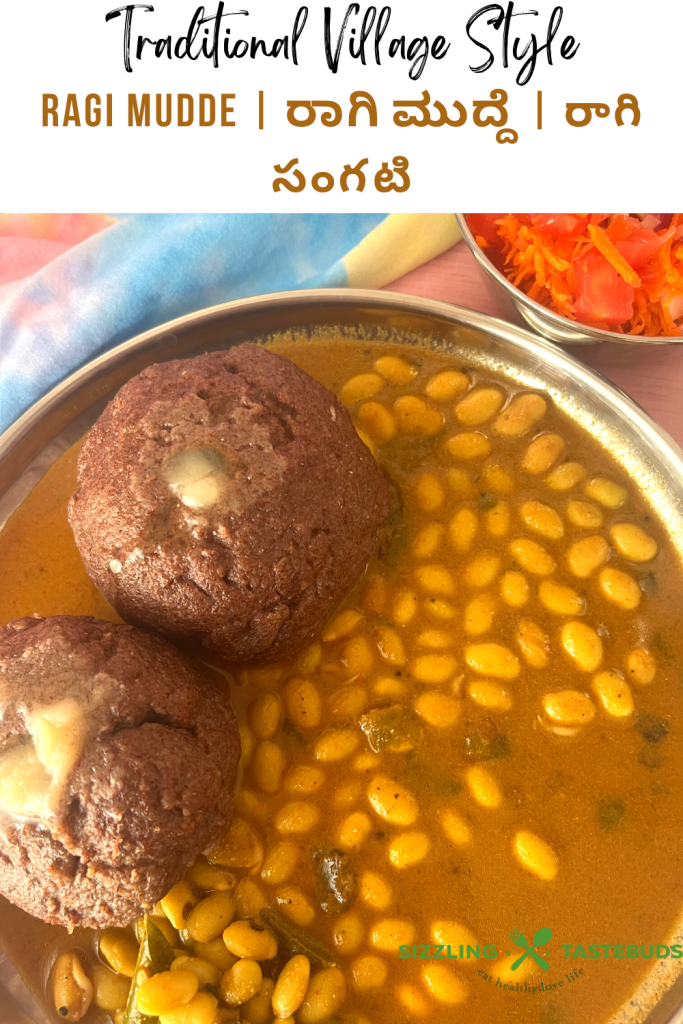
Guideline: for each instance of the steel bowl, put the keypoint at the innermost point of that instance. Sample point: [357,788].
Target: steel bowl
[644,450]
[543,320]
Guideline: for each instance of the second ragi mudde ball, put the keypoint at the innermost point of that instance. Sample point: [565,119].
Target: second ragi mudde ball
[227,501]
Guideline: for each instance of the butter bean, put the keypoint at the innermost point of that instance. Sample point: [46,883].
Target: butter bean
[583,645]
[640,666]
[460,483]
[409,849]
[295,905]
[438,710]
[569,707]
[483,787]
[482,570]
[428,493]
[497,519]
[542,453]
[302,702]
[361,387]
[335,744]
[412,1000]
[455,934]
[492,660]
[462,529]
[566,476]
[479,614]
[608,493]
[587,555]
[177,904]
[454,825]
[633,543]
[110,991]
[244,940]
[478,406]
[614,694]
[436,580]
[210,917]
[444,386]
[216,953]
[392,801]
[368,972]
[374,891]
[241,982]
[390,933]
[347,703]
[280,862]
[258,1009]
[535,855]
[542,519]
[619,588]
[439,609]
[341,625]
[166,991]
[432,669]
[390,646]
[444,985]
[497,478]
[120,950]
[468,445]
[303,779]
[353,831]
[296,817]
[416,417]
[435,639]
[291,986]
[377,422]
[560,600]
[523,413]
[267,766]
[395,370]
[357,656]
[531,557]
[207,972]
[72,988]
[325,994]
[584,515]
[489,695]
[405,607]
[201,1009]
[428,540]
[514,589]
[533,643]
[249,899]
[348,933]
[373,595]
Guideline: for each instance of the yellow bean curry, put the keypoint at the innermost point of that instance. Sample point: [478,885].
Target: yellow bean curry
[476,758]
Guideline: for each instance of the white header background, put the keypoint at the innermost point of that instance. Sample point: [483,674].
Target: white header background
[62,48]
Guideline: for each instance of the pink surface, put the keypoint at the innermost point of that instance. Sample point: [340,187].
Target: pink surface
[651,375]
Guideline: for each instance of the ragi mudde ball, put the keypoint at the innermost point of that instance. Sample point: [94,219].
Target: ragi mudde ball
[227,501]
[117,765]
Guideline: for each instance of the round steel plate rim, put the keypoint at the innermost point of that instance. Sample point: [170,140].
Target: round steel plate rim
[559,329]
[326,297]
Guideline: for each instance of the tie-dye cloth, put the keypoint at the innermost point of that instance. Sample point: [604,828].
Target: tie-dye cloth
[72,286]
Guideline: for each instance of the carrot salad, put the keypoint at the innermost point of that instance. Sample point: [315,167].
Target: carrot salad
[613,271]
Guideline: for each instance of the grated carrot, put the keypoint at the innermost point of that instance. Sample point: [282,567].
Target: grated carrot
[613,256]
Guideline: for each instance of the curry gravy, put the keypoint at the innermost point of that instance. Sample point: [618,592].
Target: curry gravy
[601,796]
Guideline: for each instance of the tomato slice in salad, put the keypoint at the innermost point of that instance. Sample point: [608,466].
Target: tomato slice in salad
[484,224]
[637,244]
[560,225]
[602,296]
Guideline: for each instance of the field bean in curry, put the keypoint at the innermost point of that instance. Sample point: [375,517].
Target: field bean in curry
[485,737]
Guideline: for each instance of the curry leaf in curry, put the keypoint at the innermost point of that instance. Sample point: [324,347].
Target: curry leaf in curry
[393,727]
[336,879]
[652,728]
[155,955]
[294,940]
[611,810]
